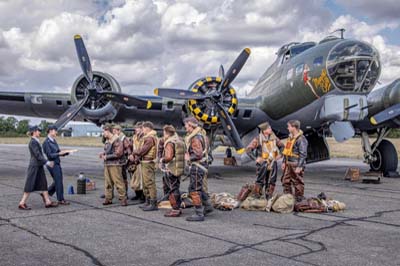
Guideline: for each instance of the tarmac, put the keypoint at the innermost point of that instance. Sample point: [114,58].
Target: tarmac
[86,233]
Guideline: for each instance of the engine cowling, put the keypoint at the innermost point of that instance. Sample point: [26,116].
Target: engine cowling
[205,110]
[98,109]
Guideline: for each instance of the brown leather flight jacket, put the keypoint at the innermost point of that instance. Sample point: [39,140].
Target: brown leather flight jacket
[147,151]
[114,152]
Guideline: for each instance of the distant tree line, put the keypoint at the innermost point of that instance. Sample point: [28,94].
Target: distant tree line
[11,127]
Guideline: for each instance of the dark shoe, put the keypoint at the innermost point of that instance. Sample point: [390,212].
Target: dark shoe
[63,202]
[51,205]
[124,202]
[198,216]
[138,196]
[23,207]
[146,204]
[102,196]
[208,209]
[44,200]
[173,213]
[107,202]
[152,206]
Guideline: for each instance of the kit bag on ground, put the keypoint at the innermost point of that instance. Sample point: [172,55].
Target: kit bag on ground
[254,204]
[311,205]
[283,203]
[224,201]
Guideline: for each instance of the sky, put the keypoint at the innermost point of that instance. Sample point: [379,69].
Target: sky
[146,44]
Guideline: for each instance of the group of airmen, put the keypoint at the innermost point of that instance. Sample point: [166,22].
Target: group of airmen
[140,156]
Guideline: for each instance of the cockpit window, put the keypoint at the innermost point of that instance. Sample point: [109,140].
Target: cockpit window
[354,66]
[349,49]
[298,49]
[318,61]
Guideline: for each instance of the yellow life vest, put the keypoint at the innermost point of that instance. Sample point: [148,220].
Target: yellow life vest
[137,142]
[288,151]
[177,165]
[153,151]
[269,150]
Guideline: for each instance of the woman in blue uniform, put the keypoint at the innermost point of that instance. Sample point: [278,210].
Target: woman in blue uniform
[36,177]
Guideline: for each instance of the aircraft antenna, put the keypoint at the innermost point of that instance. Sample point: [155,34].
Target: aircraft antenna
[342,30]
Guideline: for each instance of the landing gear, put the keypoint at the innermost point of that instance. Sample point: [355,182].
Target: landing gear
[381,155]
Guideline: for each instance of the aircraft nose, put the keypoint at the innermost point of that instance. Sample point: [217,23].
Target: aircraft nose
[353,66]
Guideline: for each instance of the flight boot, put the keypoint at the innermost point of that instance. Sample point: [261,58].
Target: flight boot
[198,215]
[146,203]
[152,206]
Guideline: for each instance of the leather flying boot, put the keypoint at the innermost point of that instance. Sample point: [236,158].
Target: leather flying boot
[198,216]
[146,204]
[208,208]
[152,206]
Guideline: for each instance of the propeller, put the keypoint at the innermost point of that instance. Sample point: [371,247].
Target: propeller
[94,92]
[71,112]
[84,60]
[230,129]
[234,69]
[221,71]
[387,114]
[216,97]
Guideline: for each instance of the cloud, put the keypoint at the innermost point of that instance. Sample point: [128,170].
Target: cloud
[371,33]
[380,10]
[146,44]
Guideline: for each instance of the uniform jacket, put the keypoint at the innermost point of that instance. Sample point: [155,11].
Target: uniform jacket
[114,151]
[51,149]
[196,145]
[127,144]
[256,145]
[37,157]
[148,150]
[300,149]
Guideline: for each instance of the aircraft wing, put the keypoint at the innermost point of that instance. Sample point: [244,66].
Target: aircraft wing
[34,104]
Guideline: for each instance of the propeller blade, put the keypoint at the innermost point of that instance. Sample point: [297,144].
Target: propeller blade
[230,129]
[179,94]
[126,99]
[235,69]
[387,114]
[83,57]
[71,112]
[221,72]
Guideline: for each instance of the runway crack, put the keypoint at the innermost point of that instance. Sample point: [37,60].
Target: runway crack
[85,252]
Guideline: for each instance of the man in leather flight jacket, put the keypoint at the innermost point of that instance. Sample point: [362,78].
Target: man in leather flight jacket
[113,162]
[197,157]
[294,161]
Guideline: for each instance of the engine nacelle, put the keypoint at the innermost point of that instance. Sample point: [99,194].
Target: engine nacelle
[384,97]
[205,110]
[98,110]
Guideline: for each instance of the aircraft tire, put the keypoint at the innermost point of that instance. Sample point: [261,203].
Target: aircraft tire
[387,160]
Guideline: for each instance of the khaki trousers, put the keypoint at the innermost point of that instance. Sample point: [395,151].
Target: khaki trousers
[113,177]
[137,178]
[149,180]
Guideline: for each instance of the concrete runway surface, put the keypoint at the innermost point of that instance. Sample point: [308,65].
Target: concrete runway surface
[86,233]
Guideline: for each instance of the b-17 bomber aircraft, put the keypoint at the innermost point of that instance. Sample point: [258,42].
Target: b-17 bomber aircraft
[328,86]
